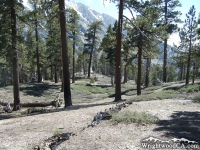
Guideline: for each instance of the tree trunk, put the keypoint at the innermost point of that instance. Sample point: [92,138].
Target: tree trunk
[165,62]
[148,64]
[118,55]
[112,74]
[66,78]
[188,63]
[84,64]
[51,72]
[139,65]
[181,72]
[61,73]
[15,59]
[165,48]
[193,76]
[37,48]
[73,74]
[125,74]
[56,74]
[90,61]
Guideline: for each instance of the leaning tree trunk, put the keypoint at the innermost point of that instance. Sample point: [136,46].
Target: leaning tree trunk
[65,59]
[118,55]
[15,59]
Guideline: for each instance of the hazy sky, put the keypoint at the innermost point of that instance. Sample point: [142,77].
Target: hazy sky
[111,9]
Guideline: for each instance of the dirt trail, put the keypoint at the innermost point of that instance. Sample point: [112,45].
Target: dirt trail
[26,132]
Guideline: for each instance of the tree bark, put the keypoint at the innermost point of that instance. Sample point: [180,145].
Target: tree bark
[15,59]
[165,62]
[181,72]
[188,64]
[148,64]
[139,64]
[118,55]
[165,48]
[65,59]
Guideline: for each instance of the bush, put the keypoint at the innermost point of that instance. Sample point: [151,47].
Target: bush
[165,94]
[92,80]
[196,98]
[190,88]
[34,110]
[57,132]
[134,117]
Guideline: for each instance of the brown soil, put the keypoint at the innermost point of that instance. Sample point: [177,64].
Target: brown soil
[178,118]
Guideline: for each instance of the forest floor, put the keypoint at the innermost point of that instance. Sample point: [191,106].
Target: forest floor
[178,118]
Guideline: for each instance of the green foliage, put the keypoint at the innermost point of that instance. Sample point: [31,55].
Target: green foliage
[172,74]
[190,88]
[134,117]
[196,98]
[34,110]
[156,75]
[57,132]
[92,80]
[166,94]
[109,43]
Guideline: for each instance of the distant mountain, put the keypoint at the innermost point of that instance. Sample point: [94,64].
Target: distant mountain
[88,15]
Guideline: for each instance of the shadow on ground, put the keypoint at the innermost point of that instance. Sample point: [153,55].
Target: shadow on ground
[38,89]
[44,110]
[183,124]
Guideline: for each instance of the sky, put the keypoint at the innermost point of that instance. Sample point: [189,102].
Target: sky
[111,9]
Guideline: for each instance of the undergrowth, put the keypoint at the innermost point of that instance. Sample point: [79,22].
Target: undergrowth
[34,110]
[134,117]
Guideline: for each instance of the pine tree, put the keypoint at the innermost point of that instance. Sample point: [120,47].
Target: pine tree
[74,28]
[108,45]
[143,32]
[188,36]
[92,40]
[35,18]
[15,57]
[11,9]
[169,20]
[198,29]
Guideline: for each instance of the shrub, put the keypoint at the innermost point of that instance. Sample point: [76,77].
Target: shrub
[190,88]
[134,117]
[57,132]
[34,110]
[196,98]
[92,80]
